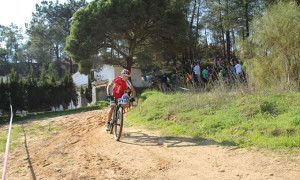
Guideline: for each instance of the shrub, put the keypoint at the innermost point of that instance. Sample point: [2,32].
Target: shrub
[273,50]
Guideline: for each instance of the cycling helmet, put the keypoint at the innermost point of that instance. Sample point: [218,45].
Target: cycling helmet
[125,72]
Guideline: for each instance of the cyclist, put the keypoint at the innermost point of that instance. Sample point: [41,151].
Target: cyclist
[118,85]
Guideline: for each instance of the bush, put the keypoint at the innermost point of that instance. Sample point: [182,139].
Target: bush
[33,97]
[273,50]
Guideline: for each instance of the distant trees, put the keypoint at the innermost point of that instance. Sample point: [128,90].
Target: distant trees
[228,20]
[49,28]
[11,37]
[47,32]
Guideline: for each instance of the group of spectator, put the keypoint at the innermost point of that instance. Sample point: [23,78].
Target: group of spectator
[195,75]
[234,73]
[162,81]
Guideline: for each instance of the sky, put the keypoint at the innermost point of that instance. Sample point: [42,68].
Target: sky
[18,12]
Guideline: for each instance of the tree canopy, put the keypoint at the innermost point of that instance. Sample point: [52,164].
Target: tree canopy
[11,37]
[126,27]
[49,28]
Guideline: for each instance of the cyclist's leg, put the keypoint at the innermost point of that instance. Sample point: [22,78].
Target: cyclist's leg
[111,110]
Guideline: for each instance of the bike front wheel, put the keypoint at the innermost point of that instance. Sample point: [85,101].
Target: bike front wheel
[118,124]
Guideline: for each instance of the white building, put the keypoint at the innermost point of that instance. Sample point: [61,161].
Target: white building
[79,79]
[109,72]
[103,77]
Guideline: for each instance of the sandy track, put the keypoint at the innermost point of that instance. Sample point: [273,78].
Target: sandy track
[84,150]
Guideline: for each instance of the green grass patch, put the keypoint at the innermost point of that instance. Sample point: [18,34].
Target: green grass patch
[268,120]
[17,134]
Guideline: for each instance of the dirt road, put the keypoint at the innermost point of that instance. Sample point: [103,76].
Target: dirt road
[83,150]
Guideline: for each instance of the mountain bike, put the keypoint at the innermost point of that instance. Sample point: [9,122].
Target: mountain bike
[118,118]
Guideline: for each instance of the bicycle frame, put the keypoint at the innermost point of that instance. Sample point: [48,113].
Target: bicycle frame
[117,121]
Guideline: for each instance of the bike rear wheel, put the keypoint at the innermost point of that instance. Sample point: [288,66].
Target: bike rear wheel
[118,124]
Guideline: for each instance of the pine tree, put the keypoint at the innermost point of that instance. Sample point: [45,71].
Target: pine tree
[43,77]
[4,103]
[31,100]
[54,93]
[52,71]
[68,90]
[16,91]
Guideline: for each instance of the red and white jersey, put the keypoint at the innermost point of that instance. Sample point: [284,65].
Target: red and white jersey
[120,86]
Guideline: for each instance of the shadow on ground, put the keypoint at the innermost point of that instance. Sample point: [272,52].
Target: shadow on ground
[143,139]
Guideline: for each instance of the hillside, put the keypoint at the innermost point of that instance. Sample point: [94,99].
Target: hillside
[257,119]
[77,147]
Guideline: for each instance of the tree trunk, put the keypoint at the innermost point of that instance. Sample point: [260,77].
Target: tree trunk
[247,18]
[111,53]
[233,39]
[193,14]
[129,63]
[183,59]
[223,43]
[243,33]
[227,32]
[190,51]
[71,66]
[222,31]
[174,62]
[197,29]
[57,53]
[228,45]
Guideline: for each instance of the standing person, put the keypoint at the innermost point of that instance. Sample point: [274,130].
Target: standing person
[197,74]
[189,78]
[153,75]
[205,75]
[115,90]
[224,73]
[174,79]
[238,70]
[233,73]
[219,63]
[164,81]
[210,73]
[216,61]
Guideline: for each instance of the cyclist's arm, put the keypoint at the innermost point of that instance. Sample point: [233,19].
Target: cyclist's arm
[131,88]
[109,88]
[133,91]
